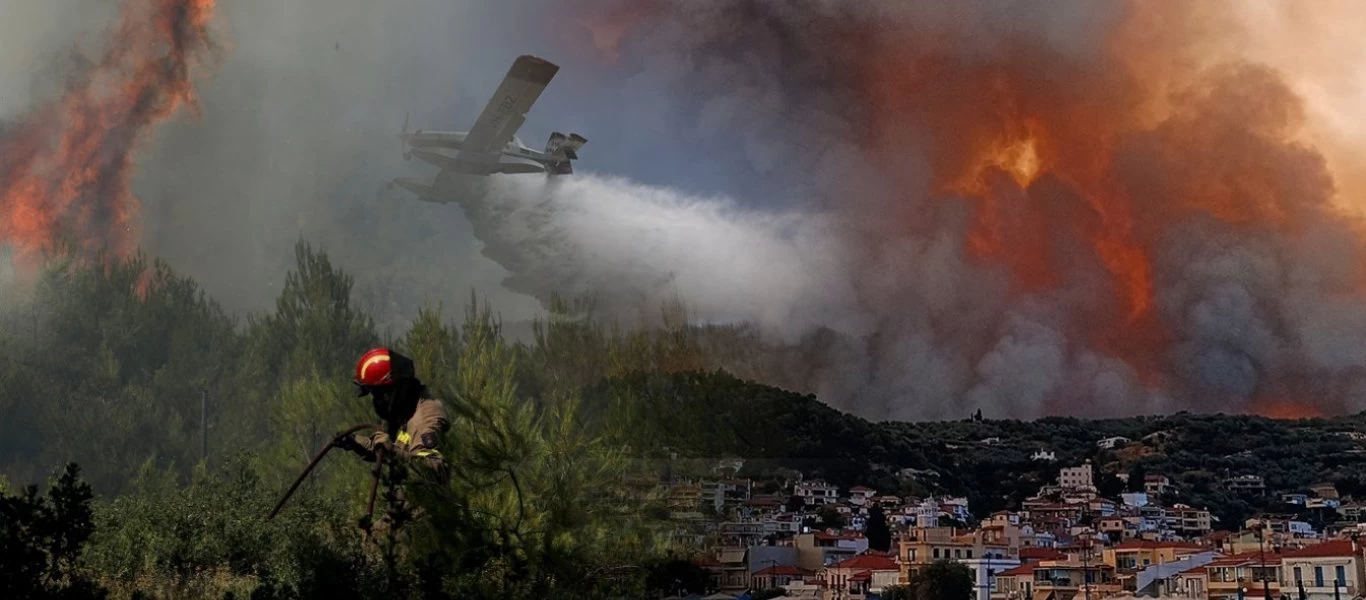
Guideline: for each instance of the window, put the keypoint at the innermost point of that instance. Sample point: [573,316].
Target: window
[1299,575]
[970,556]
[957,553]
[1342,575]
[1318,576]
[936,555]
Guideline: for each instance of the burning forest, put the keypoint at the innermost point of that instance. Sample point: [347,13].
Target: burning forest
[66,166]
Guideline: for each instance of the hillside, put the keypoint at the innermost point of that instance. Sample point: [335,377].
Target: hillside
[716,415]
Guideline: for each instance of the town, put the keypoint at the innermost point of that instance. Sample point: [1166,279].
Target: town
[812,539]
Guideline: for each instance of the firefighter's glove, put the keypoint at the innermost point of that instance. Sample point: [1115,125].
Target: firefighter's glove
[347,442]
[381,441]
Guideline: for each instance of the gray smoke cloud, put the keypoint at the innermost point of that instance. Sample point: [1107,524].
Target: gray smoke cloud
[743,184]
[1246,313]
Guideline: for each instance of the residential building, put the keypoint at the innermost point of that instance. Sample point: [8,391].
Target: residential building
[1191,522]
[985,572]
[728,569]
[853,577]
[821,549]
[1251,485]
[924,545]
[1077,478]
[1101,507]
[956,508]
[1242,576]
[861,496]
[1032,555]
[1076,575]
[1326,571]
[925,513]
[779,576]
[1134,499]
[816,492]
[1160,579]
[1156,485]
[1014,584]
[1324,490]
[1135,555]
[1352,511]
[1322,503]
[1191,583]
[1297,499]
[1111,443]
[1118,528]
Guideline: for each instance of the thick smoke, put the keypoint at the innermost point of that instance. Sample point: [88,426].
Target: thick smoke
[1013,216]
[926,208]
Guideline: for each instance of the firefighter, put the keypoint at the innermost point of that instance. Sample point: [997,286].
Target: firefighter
[413,422]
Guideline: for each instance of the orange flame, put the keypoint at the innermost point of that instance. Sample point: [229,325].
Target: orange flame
[1076,164]
[65,168]
[608,26]
[1286,410]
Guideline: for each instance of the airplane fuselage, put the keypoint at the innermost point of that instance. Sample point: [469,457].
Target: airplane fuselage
[453,140]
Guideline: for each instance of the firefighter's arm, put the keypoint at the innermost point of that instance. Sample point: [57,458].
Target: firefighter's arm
[425,447]
[361,445]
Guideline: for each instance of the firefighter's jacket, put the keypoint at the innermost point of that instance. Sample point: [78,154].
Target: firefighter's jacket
[419,439]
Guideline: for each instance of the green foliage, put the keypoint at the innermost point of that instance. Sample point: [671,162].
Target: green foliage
[829,518]
[878,533]
[42,537]
[942,580]
[536,500]
[211,537]
[105,367]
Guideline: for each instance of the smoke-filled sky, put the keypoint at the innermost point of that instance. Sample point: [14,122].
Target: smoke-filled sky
[1083,207]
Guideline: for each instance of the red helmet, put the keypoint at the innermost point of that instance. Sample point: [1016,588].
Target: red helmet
[375,368]
[380,367]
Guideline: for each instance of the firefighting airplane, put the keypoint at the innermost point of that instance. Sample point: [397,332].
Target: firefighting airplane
[492,146]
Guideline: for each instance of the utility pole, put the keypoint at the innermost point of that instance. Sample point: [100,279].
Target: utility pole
[204,424]
[1086,565]
[1261,551]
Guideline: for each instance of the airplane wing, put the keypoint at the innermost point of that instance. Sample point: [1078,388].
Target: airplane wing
[505,113]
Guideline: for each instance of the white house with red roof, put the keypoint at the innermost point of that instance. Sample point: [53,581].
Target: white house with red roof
[855,577]
[1325,571]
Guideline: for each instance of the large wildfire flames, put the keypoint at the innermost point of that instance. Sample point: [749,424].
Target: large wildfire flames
[65,167]
[1148,183]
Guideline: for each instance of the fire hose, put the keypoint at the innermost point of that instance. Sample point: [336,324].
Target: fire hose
[375,473]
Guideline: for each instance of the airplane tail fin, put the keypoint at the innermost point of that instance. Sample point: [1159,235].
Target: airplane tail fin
[564,148]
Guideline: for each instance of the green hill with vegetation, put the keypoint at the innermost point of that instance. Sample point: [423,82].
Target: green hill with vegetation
[187,422]
[991,461]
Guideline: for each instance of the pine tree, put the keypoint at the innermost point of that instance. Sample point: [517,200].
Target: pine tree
[878,533]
